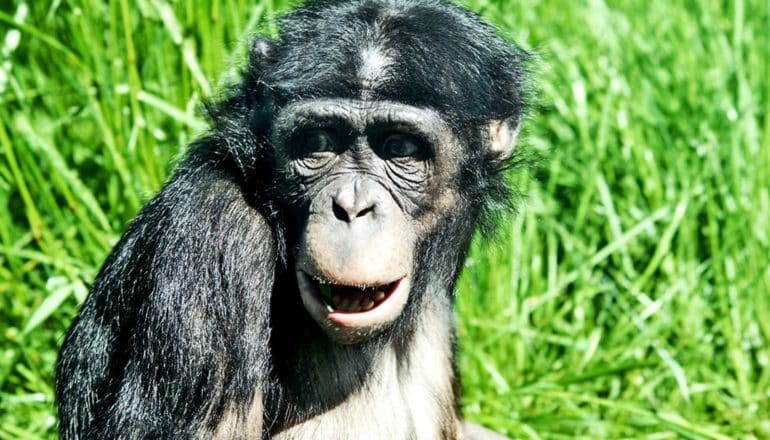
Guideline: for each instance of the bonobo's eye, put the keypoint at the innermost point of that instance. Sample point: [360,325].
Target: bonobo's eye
[313,142]
[403,145]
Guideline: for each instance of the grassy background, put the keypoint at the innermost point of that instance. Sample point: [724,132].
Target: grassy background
[631,296]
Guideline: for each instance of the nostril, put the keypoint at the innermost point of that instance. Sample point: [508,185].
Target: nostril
[340,212]
[365,211]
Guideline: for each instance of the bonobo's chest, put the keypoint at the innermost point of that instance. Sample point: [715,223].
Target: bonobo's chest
[380,412]
[406,396]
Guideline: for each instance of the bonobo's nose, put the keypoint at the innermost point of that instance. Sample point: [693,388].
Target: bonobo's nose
[354,199]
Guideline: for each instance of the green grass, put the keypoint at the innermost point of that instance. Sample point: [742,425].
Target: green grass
[629,298]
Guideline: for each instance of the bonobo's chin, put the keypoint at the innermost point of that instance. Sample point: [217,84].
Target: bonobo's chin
[351,312]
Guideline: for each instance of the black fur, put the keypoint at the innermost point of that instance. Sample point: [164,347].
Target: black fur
[196,310]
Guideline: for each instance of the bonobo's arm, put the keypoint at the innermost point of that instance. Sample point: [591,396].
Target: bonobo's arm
[174,334]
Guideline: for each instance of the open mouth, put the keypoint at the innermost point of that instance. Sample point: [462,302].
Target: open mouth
[353,306]
[351,299]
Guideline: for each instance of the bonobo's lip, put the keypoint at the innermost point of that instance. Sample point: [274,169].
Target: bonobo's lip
[354,323]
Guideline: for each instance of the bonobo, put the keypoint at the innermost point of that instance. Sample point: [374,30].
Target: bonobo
[295,277]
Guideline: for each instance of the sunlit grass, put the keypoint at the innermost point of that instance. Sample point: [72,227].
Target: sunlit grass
[631,295]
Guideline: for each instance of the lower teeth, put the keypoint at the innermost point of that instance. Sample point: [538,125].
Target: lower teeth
[349,302]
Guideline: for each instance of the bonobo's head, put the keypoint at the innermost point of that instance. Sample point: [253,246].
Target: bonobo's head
[389,123]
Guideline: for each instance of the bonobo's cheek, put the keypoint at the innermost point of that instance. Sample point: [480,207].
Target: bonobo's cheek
[439,198]
[354,260]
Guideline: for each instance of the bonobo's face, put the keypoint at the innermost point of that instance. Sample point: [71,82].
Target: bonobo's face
[373,176]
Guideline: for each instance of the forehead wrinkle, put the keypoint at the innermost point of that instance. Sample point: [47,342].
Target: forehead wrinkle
[344,106]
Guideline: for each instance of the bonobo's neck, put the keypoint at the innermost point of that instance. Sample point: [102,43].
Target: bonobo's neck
[400,387]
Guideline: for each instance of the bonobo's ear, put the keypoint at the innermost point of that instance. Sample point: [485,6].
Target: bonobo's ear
[260,51]
[502,137]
